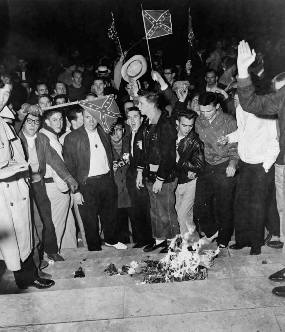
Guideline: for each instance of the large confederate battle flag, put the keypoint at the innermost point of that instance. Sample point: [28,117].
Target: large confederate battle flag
[157,23]
[105,110]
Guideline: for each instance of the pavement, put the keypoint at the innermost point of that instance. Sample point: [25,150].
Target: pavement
[236,296]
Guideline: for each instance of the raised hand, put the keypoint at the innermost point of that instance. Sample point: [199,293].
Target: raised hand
[246,57]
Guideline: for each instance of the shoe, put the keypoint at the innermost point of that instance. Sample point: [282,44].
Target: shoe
[223,246]
[267,239]
[139,245]
[275,244]
[95,249]
[255,251]
[237,246]
[44,275]
[164,250]
[279,291]
[278,276]
[151,247]
[39,284]
[55,257]
[119,245]
[43,264]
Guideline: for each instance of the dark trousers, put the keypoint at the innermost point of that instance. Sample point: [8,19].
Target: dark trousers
[28,272]
[139,213]
[251,209]
[42,201]
[123,231]
[100,200]
[214,199]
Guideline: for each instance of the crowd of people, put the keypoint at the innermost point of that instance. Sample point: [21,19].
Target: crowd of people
[197,150]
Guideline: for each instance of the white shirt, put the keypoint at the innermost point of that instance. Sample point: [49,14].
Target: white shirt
[257,139]
[98,157]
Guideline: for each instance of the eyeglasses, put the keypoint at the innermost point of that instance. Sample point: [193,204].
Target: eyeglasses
[36,122]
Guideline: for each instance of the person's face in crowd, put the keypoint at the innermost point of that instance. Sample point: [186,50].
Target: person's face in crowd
[168,75]
[134,120]
[89,122]
[195,105]
[209,111]
[144,106]
[145,85]
[184,126]
[78,122]
[127,105]
[55,122]
[44,102]
[117,133]
[71,68]
[77,78]
[98,87]
[60,89]
[129,89]
[60,101]
[22,64]
[259,57]
[211,78]
[31,125]
[4,95]
[42,90]
[219,45]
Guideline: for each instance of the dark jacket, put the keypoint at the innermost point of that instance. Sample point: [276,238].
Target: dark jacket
[76,153]
[191,157]
[159,148]
[274,103]
[46,155]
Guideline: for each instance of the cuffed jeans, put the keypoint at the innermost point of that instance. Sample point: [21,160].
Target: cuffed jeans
[185,196]
[162,211]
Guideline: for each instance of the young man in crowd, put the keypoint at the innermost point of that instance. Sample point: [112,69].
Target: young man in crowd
[57,189]
[157,161]
[88,156]
[214,199]
[76,91]
[140,204]
[98,86]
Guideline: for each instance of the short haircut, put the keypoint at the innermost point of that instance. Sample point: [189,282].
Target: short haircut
[208,98]
[211,71]
[229,62]
[62,96]
[133,108]
[40,83]
[90,94]
[2,84]
[189,114]
[71,113]
[120,121]
[279,78]
[46,96]
[49,113]
[98,78]
[151,96]
[172,68]
[59,83]
[76,72]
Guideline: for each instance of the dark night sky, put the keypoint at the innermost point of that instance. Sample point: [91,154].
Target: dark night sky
[53,26]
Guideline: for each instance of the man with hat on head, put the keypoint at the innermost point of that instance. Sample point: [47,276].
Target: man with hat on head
[88,155]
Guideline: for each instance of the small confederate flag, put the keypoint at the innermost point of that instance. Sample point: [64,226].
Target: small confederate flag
[191,35]
[105,110]
[157,23]
[112,32]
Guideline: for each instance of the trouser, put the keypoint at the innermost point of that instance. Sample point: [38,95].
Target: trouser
[37,233]
[214,188]
[60,207]
[251,209]
[49,241]
[280,195]
[185,197]
[139,213]
[28,272]
[100,199]
[123,225]
[164,221]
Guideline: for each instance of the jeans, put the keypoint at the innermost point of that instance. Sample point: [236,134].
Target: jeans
[162,211]
[213,206]
[280,195]
[185,196]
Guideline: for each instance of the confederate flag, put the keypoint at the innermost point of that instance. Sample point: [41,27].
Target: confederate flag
[157,23]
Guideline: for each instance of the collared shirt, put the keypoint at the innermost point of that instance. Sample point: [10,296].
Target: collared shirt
[209,133]
[98,157]
[257,139]
[211,89]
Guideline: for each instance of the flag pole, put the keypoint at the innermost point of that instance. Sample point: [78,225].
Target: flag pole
[118,37]
[189,42]
[146,39]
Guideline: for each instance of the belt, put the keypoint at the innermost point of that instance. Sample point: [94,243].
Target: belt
[98,176]
[48,180]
